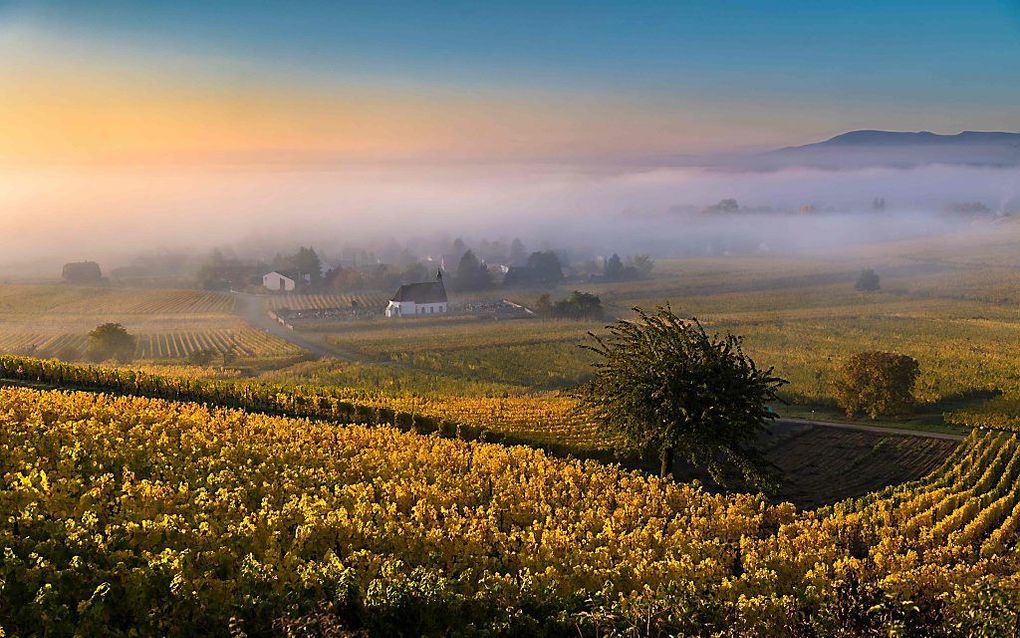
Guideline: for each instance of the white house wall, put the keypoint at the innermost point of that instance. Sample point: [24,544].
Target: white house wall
[411,309]
[272,281]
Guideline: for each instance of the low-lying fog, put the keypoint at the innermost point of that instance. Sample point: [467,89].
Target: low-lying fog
[110,214]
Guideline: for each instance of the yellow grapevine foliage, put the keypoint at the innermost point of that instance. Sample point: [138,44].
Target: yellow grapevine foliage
[549,421]
[294,401]
[135,516]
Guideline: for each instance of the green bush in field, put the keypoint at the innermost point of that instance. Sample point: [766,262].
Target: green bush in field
[876,384]
[868,281]
[202,357]
[110,341]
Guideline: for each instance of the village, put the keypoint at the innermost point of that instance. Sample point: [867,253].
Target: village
[304,293]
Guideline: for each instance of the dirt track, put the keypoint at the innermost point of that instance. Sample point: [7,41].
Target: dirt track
[877,429]
[255,310]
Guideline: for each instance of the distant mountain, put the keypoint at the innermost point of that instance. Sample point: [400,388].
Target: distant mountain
[859,149]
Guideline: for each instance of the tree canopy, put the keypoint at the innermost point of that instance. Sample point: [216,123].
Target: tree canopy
[613,268]
[110,341]
[518,255]
[636,267]
[543,269]
[668,386]
[868,281]
[472,273]
[546,266]
[306,261]
[82,272]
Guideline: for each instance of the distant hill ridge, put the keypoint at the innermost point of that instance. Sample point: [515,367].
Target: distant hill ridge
[900,148]
[874,137]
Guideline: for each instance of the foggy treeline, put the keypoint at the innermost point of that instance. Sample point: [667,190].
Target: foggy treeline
[114,215]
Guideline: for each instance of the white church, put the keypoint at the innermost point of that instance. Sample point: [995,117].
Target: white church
[415,300]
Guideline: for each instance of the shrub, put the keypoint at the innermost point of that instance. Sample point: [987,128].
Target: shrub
[876,384]
[202,357]
[579,305]
[868,281]
[110,341]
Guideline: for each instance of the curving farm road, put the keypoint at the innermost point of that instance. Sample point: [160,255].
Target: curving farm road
[255,310]
[877,429]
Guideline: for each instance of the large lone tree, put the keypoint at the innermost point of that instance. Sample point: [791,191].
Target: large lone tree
[670,387]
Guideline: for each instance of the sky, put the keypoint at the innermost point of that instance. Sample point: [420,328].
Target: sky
[296,83]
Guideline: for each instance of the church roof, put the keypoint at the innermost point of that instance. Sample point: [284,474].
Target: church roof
[423,292]
[286,274]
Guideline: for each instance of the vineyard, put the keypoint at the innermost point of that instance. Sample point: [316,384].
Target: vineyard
[432,487]
[54,321]
[549,418]
[152,302]
[375,301]
[178,519]
[242,342]
[74,300]
[246,342]
[814,460]
[821,465]
[540,355]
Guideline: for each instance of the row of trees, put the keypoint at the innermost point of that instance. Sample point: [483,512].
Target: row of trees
[635,267]
[376,277]
[465,269]
[493,252]
[542,268]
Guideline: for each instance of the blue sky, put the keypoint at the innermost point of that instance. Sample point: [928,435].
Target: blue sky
[754,73]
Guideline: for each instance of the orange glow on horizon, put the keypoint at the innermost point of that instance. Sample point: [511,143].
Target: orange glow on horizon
[74,102]
[70,110]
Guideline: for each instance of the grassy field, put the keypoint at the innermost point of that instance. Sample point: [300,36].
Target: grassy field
[541,355]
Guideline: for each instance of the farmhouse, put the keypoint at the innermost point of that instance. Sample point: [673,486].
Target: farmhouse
[424,298]
[282,282]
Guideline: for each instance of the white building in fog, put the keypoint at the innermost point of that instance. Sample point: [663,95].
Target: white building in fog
[415,300]
[278,282]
